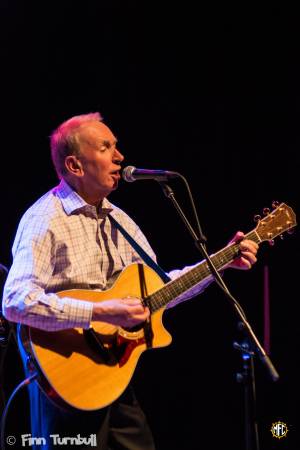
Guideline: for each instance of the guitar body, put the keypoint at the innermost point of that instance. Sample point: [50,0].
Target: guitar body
[74,373]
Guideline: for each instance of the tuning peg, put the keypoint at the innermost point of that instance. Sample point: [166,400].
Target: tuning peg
[266,211]
[275,203]
[291,231]
[271,242]
[257,218]
[281,237]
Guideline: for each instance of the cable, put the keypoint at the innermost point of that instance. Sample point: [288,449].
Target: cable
[6,409]
[200,240]
[200,233]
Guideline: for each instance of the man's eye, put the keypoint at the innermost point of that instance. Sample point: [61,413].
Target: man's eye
[107,146]
[104,147]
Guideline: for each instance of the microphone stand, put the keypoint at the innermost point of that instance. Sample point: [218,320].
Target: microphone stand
[247,378]
[253,341]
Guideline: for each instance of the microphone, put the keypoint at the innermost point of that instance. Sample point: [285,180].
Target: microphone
[131,173]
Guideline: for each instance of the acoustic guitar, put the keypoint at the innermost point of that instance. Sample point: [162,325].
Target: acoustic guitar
[89,369]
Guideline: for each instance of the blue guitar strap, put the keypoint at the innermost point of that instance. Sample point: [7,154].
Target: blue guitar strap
[148,260]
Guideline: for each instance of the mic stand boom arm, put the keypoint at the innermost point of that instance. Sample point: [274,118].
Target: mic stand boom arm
[200,244]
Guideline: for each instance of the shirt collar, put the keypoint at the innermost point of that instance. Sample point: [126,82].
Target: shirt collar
[72,202]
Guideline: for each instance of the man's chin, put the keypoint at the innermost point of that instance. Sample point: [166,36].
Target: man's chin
[115,185]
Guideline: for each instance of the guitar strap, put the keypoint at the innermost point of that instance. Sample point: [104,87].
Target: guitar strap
[148,260]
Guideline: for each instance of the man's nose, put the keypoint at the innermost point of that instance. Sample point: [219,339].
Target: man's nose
[118,155]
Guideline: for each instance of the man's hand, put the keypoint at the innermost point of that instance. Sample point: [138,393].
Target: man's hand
[248,251]
[123,312]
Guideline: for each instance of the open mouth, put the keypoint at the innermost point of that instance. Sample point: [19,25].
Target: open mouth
[116,174]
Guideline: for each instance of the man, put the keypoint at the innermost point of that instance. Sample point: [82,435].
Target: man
[67,240]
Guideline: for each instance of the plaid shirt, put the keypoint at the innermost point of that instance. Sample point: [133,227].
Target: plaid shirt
[64,243]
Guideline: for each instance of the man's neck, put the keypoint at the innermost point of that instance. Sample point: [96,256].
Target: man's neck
[90,198]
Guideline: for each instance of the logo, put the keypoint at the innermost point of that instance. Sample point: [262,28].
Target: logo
[279,430]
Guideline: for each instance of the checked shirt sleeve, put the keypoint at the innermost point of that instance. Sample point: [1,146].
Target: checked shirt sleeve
[25,297]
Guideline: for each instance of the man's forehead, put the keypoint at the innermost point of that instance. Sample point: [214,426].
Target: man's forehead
[97,130]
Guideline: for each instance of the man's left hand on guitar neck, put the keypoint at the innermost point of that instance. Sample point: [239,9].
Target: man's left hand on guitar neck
[248,251]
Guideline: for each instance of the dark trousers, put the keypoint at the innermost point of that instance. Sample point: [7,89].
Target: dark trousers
[120,426]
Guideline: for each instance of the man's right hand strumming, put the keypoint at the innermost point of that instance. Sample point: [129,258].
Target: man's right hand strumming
[124,312]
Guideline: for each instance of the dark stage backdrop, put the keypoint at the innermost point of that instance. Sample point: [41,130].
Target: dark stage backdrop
[214,94]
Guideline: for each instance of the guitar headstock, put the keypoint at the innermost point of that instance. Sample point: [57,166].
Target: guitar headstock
[281,219]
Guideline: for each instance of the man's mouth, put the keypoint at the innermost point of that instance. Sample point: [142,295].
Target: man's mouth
[116,173]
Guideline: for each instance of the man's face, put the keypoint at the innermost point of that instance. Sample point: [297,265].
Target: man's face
[99,158]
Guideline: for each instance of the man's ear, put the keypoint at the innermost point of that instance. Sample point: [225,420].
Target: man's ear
[73,165]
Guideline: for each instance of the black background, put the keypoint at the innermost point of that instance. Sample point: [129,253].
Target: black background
[211,92]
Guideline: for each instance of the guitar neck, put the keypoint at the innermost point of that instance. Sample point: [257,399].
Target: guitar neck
[175,288]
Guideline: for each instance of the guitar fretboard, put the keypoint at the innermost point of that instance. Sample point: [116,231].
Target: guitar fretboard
[176,287]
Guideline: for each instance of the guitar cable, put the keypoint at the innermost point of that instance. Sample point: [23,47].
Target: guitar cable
[23,383]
